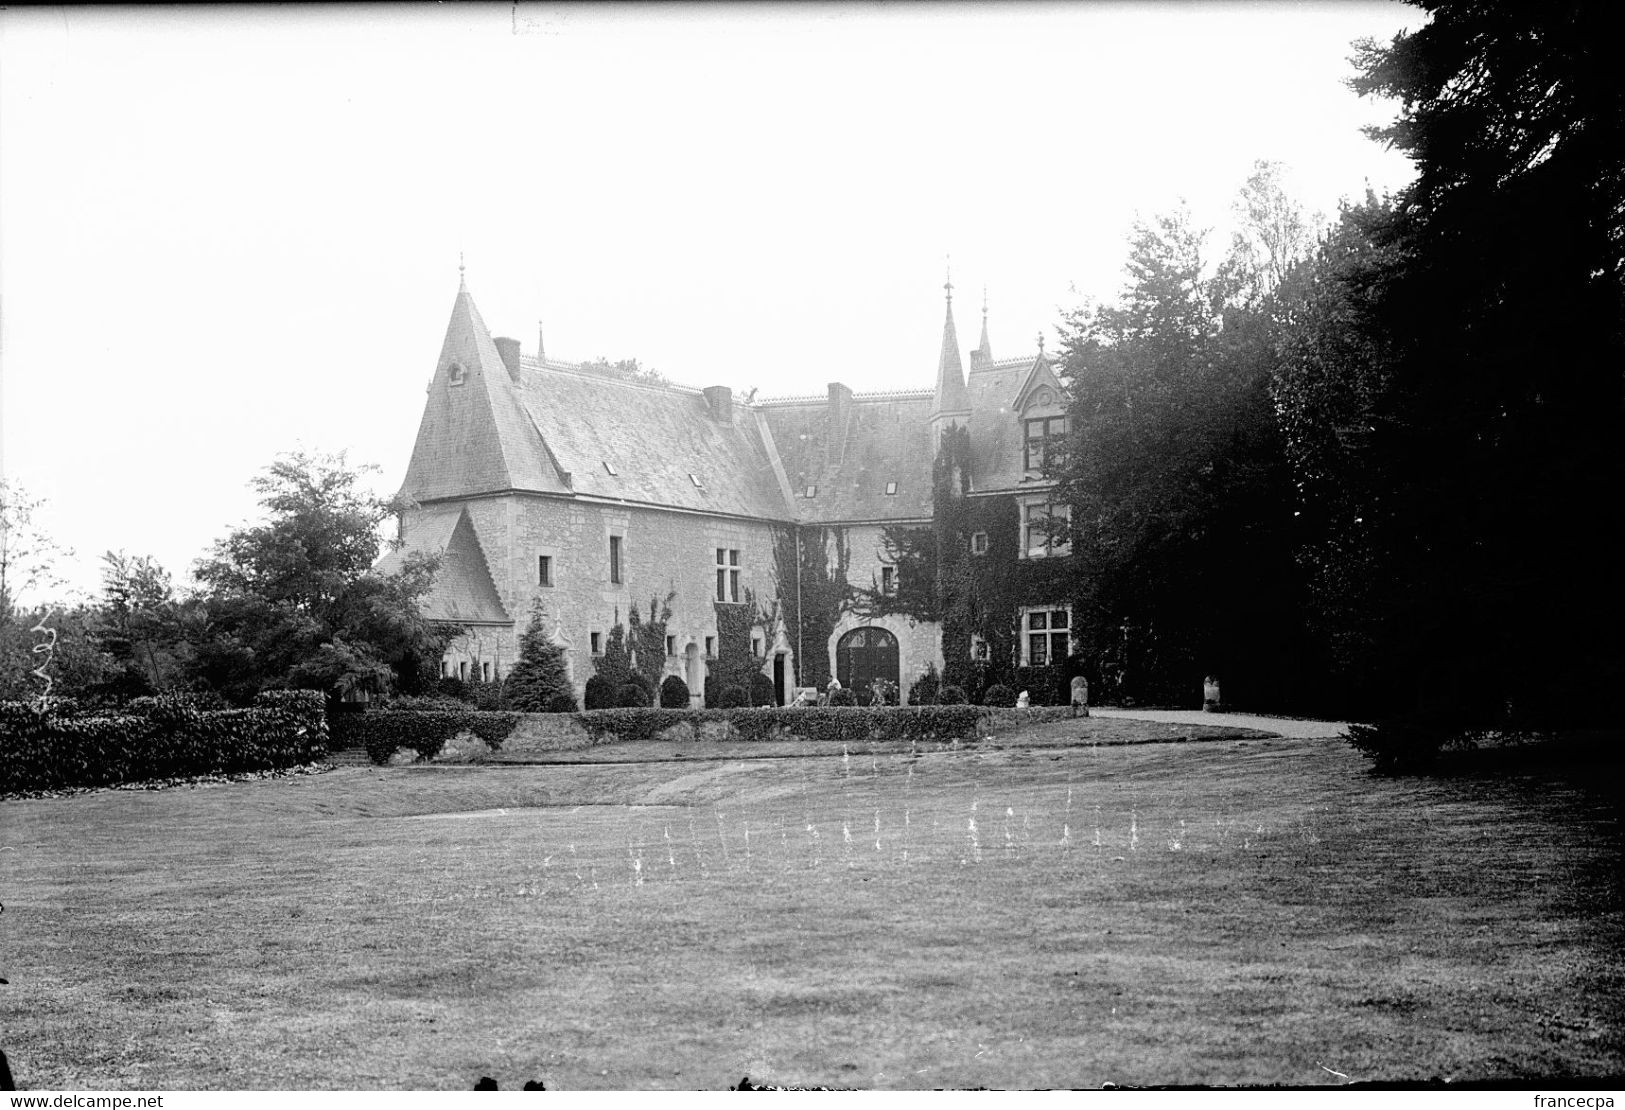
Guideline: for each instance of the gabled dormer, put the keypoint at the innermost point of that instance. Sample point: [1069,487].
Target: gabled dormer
[1040,406]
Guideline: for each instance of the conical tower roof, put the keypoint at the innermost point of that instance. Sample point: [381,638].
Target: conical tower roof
[475,436]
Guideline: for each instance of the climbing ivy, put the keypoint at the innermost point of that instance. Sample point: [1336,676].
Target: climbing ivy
[646,639]
[941,579]
[810,620]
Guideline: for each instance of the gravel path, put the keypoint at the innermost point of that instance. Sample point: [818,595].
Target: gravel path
[1284,726]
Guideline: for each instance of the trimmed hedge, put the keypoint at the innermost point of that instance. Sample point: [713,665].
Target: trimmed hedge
[831,724]
[157,738]
[384,732]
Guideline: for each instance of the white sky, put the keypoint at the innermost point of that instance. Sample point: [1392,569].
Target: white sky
[226,233]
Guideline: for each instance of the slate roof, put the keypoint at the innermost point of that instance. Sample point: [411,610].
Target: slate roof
[887,439]
[995,428]
[475,437]
[463,590]
[655,437]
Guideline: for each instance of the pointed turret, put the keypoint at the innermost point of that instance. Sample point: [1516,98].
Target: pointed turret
[952,404]
[984,350]
[475,436]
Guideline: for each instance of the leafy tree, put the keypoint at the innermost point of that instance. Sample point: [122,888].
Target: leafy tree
[1175,474]
[538,680]
[28,555]
[141,622]
[614,664]
[293,600]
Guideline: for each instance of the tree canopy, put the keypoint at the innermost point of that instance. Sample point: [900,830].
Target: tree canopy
[293,601]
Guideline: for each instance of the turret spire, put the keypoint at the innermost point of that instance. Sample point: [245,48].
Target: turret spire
[950,372]
[984,350]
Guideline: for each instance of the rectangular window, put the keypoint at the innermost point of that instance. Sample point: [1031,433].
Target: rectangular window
[1045,437]
[888,580]
[597,639]
[671,645]
[485,671]
[978,543]
[1046,530]
[1047,639]
[710,647]
[544,570]
[445,668]
[462,669]
[727,574]
[891,489]
[978,648]
[615,559]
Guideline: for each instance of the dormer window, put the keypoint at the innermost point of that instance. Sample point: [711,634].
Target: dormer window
[1044,441]
[456,373]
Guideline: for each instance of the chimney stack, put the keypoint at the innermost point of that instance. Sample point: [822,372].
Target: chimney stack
[837,416]
[509,350]
[720,400]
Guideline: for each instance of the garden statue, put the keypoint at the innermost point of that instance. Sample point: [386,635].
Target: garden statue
[1022,701]
[1080,696]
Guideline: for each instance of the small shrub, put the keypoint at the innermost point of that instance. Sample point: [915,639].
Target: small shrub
[454,688]
[418,702]
[734,697]
[1404,745]
[489,697]
[925,688]
[425,732]
[562,703]
[952,695]
[632,695]
[842,697]
[673,693]
[599,694]
[761,690]
[999,695]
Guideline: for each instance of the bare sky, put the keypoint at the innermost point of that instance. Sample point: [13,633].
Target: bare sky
[228,232]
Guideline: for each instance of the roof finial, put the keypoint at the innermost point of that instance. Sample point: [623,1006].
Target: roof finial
[1041,342]
[948,285]
[460,279]
[984,302]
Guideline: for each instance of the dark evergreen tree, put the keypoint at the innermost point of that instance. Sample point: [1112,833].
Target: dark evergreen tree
[1470,342]
[538,681]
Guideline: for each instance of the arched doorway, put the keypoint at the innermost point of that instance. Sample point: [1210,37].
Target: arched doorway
[863,655]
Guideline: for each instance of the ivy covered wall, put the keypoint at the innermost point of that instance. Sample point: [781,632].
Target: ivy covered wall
[982,594]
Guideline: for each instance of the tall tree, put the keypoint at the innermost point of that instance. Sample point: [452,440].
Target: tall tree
[292,601]
[1175,474]
[1469,345]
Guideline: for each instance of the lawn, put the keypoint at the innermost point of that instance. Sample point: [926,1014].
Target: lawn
[1052,914]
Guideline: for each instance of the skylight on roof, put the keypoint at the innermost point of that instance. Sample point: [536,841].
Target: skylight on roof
[812,491]
[891,488]
[611,469]
[697,483]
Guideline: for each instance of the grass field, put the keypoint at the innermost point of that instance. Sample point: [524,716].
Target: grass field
[1232,911]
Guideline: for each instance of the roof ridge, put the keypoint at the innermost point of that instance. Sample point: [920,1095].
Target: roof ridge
[575,371]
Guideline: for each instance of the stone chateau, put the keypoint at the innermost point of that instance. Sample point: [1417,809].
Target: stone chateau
[537,478]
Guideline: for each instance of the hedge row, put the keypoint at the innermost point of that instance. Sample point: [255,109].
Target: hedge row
[156,738]
[383,732]
[836,724]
